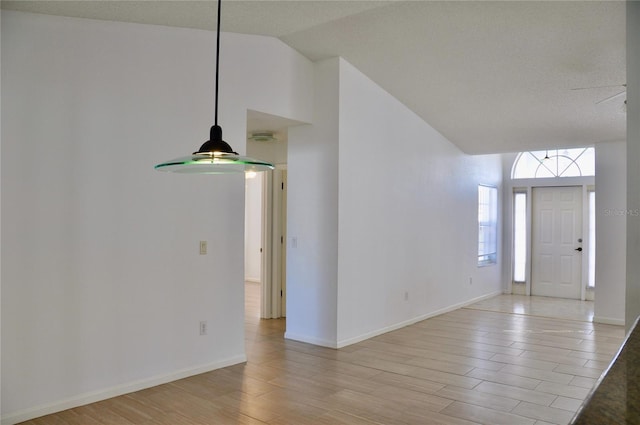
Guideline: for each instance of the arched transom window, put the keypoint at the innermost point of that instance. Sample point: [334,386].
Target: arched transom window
[574,162]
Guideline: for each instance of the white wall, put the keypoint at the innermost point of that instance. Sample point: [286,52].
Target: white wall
[370,227]
[312,216]
[274,152]
[253,228]
[633,163]
[611,208]
[408,215]
[103,286]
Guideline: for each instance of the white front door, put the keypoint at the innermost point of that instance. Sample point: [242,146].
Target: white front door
[557,242]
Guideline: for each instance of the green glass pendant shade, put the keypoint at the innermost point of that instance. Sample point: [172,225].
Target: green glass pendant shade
[217,163]
[215,156]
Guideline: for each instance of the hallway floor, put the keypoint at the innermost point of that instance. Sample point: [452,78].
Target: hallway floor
[559,308]
[469,366]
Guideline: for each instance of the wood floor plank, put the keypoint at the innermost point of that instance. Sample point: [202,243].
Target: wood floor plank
[587,372]
[442,366]
[409,382]
[563,390]
[552,358]
[478,398]
[484,415]
[566,403]
[336,417]
[366,406]
[524,361]
[418,372]
[536,397]
[504,378]
[405,347]
[75,417]
[412,399]
[544,375]
[340,380]
[56,419]
[583,382]
[100,412]
[545,413]
[595,364]
[413,417]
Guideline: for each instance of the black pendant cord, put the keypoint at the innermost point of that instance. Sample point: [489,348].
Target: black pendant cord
[217,62]
[215,142]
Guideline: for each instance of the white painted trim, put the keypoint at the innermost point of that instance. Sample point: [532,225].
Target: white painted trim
[553,182]
[527,266]
[278,245]
[384,330]
[95,396]
[310,340]
[266,308]
[252,280]
[608,321]
[279,257]
[584,265]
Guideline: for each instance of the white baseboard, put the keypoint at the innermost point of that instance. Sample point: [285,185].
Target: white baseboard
[92,397]
[608,321]
[310,340]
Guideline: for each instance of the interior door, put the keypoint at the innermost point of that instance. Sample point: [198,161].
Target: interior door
[557,242]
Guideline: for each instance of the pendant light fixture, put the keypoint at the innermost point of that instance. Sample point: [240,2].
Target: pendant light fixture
[215,156]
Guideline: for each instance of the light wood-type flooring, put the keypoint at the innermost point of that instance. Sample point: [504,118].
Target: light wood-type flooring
[469,366]
[559,308]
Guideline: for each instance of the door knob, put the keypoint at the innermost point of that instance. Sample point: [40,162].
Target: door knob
[579,249]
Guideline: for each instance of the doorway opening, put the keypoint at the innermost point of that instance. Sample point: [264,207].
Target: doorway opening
[266,217]
[253,251]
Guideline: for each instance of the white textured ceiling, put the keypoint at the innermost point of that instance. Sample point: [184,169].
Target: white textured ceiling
[490,76]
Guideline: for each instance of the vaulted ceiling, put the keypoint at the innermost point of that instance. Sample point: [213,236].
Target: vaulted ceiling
[490,76]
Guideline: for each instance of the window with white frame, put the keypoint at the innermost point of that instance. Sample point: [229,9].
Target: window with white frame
[487,225]
[519,236]
[574,162]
